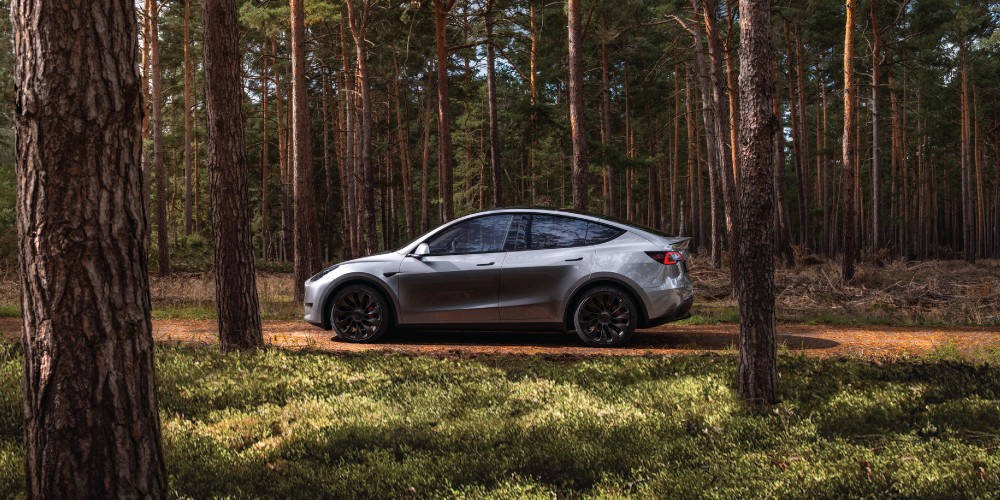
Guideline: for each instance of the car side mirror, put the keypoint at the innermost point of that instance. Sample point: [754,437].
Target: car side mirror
[421,250]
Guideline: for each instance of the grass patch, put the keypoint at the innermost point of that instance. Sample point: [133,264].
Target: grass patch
[284,424]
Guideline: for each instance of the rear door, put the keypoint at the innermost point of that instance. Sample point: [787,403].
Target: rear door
[459,282]
[547,256]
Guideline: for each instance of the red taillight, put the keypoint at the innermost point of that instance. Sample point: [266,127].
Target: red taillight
[666,258]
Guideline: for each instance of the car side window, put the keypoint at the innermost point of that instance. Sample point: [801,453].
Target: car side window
[599,233]
[482,234]
[553,231]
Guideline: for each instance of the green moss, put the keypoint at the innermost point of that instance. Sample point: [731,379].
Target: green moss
[280,424]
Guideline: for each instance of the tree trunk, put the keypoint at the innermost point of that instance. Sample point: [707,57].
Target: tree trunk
[402,135]
[576,121]
[692,153]
[491,89]
[91,427]
[188,220]
[358,22]
[711,145]
[797,158]
[533,87]
[347,179]
[968,208]
[445,159]
[782,228]
[264,159]
[720,104]
[878,236]
[149,8]
[425,210]
[235,280]
[307,260]
[848,143]
[675,218]
[753,265]
[162,225]
[286,203]
[612,202]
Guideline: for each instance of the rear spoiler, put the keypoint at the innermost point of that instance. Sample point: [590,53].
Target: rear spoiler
[679,242]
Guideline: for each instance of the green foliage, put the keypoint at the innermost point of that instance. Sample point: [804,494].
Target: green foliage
[309,425]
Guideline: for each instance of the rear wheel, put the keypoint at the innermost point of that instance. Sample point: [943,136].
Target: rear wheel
[359,313]
[605,316]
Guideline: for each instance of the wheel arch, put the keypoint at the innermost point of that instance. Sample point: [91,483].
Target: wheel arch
[379,286]
[604,281]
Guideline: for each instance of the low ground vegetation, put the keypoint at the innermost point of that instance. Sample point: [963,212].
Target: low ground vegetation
[303,425]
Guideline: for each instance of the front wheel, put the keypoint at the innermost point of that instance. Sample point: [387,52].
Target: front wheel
[605,317]
[359,313]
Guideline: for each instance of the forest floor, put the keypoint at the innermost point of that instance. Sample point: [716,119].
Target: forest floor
[874,343]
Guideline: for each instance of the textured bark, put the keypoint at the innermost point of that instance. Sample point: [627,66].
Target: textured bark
[576,121]
[533,87]
[797,158]
[162,243]
[968,200]
[307,259]
[782,228]
[878,234]
[491,89]
[188,83]
[720,105]
[849,245]
[675,216]
[425,158]
[692,152]
[265,160]
[235,280]
[609,180]
[445,159]
[402,135]
[711,145]
[91,427]
[753,266]
[350,158]
[358,22]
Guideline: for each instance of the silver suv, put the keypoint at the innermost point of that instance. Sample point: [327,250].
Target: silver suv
[511,269]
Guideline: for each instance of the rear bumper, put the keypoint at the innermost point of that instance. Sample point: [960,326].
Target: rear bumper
[675,307]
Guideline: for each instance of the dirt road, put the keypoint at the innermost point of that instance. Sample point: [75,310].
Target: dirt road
[819,340]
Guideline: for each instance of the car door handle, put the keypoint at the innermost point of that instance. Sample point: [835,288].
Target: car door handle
[574,260]
[484,264]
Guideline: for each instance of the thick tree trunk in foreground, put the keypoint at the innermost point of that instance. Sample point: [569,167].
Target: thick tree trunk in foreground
[235,281]
[848,144]
[91,428]
[307,260]
[445,160]
[579,135]
[753,266]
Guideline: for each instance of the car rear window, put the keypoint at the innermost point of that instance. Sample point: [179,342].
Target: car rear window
[599,233]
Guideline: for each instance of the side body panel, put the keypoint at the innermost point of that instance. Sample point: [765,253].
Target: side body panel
[449,289]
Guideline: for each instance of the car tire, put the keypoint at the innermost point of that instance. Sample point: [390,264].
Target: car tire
[605,316]
[359,314]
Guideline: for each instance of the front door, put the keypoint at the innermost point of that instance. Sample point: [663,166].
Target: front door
[459,281]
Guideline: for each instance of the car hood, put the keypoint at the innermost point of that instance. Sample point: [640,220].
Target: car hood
[389,256]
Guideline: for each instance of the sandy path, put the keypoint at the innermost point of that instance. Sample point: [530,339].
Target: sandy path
[819,340]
